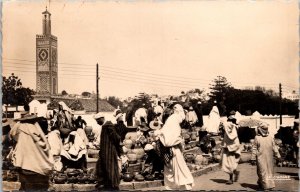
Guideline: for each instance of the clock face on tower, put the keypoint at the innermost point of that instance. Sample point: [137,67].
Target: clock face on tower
[43,55]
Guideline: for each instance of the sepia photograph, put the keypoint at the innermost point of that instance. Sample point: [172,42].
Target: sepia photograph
[150,95]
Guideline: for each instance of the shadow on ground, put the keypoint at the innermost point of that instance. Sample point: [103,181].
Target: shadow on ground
[219,180]
[250,186]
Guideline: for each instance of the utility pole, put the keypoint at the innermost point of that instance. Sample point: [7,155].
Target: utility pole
[97,87]
[280,102]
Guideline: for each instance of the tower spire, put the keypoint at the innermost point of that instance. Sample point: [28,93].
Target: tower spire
[46,22]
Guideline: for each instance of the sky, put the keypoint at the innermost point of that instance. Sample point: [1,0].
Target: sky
[162,47]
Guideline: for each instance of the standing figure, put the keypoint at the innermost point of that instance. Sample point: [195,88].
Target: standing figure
[264,149]
[177,174]
[213,122]
[107,168]
[191,116]
[31,154]
[198,110]
[231,151]
[79,122]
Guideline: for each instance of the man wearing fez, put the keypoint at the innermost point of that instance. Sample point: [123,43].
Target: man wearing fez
[107,168]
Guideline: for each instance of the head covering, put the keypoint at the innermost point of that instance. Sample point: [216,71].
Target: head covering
[98,116]
[155,124]
[262,129]
[199,102]
[232,119]
[64,106]
[178,109]
[232,113]
[230,130]
[191,108]
[143,127]
[117,113]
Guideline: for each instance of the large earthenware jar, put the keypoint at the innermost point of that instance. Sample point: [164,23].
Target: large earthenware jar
[139,151]
[131,157]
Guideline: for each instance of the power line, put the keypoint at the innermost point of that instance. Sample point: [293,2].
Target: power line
[118,72]
[124,79]
[126,76]
[109,67]
[130,72]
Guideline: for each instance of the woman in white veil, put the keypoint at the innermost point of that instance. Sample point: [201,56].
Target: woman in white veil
[177,174]
[214,120]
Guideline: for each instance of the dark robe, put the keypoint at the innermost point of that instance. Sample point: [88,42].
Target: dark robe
[121,130]
[198,111]
[107,165]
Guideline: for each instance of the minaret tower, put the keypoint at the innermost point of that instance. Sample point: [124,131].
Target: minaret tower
[46,59]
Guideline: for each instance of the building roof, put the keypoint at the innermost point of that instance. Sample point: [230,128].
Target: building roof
[79,104]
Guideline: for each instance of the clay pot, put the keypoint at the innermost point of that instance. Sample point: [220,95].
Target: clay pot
[189,157]
[73,173]
[127,177]
[132,158]
[72,179]
[139,151]
[128,143]
[149,178]
[139,177]
[193,136]
[205,161]
[60,179]
[284,163]
[217,157]
[82,178]
[199,159]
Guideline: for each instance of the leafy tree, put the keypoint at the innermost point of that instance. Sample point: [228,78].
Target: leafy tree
[13,92]
[219,88]
[114,101]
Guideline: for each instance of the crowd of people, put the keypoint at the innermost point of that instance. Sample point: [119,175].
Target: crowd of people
[41,146]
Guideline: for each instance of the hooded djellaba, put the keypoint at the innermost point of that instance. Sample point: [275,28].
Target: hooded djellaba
[231,151]
[263,151]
